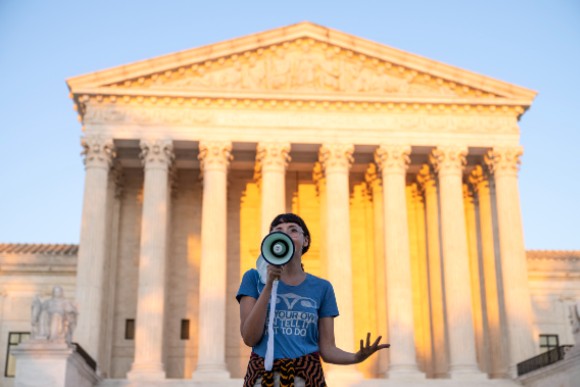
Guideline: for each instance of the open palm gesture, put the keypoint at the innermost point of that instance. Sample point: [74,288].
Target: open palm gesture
[367,349]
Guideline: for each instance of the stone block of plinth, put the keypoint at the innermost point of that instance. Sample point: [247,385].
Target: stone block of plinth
[44,364]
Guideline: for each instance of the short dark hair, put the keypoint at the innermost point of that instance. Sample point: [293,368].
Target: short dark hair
[293,218]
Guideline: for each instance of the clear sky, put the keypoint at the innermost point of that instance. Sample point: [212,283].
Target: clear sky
[530,43]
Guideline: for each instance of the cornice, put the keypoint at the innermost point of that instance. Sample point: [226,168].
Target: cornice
[38,248]
[27,258]
[300,31]
[301,102]
[561,255]
[154,94]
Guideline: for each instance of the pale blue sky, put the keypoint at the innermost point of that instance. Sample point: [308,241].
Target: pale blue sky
[533,43]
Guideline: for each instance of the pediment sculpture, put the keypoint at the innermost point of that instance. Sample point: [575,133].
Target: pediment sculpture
[301,66]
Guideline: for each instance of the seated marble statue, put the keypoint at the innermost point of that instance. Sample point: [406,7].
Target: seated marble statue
[54,319]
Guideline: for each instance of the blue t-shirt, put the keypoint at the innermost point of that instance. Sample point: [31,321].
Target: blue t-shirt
[298,309]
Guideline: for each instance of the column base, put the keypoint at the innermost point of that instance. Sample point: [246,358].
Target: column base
[148,372]
[405,372]
[343,375]
[210,372]
[466,373]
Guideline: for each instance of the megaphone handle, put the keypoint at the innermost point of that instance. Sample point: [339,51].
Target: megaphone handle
[269,360]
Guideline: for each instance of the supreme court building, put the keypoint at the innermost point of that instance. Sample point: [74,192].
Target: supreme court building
[405,170]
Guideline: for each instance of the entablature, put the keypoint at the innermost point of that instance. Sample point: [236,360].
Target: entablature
[300,65]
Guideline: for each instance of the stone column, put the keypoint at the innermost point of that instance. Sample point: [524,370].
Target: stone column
[157,157]
[421,279]
[320,182]
[272,160]
[374,185]
[92,256]
[449,162]
[439,354]
[477,292]
[393,162]
[115,196]
[480,179]
[504,163]
[214,157]
[336,160]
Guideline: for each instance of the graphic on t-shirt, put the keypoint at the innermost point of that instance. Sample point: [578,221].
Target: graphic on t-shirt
[290,299]
[295,320]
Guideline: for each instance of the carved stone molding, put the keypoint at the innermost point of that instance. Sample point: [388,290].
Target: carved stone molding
[504,160]
[98,151]
[449,159]
[157,153]
[214,154]
[336,157]
[243,112]
[393,158]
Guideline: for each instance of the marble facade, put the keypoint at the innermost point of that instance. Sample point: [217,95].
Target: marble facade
[405,170]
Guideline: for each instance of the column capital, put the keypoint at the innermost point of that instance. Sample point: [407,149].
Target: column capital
[504,160]
[214,154]
[372,178]
[336,156]
[393,158]
[118,179]
[479,175]
[273,154]
[98,151]
[318,177]
[426,178]
[450,159]
[156,153]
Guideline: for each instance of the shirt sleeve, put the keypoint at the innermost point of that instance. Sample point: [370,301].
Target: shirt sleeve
[328,307]
[249,285]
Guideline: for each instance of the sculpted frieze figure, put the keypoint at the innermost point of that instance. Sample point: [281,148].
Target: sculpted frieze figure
[306,67]
[54,319]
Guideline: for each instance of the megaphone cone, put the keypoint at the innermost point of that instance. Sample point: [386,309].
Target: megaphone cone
[277,248]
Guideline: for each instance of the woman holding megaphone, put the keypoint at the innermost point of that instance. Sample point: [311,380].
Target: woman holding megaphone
[287,315]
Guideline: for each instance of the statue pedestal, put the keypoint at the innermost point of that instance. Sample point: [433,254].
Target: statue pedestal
[42,363]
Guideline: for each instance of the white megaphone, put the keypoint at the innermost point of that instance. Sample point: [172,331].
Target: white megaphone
[277,248]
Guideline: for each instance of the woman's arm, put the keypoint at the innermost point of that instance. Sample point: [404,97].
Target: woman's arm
[253,312]
[332,354]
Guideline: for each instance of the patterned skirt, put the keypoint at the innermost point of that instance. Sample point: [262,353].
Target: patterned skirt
[307,367]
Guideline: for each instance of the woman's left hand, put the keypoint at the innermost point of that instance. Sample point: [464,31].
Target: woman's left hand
[368,349]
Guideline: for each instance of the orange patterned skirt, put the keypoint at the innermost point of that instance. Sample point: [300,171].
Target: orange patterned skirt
[307,367]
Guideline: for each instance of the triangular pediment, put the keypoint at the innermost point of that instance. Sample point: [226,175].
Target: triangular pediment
[303,59]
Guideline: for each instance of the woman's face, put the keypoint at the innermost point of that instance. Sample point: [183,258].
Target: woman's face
[295,232]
